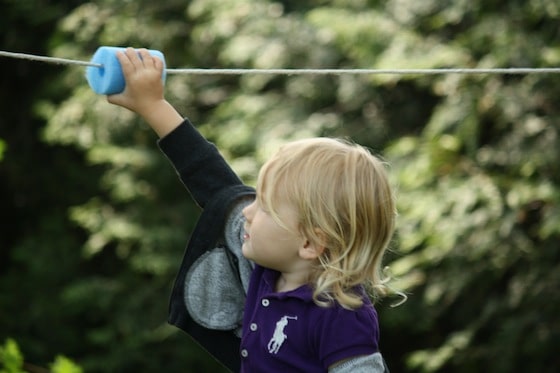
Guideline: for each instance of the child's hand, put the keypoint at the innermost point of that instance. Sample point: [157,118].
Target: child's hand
[143,92]
[144,87]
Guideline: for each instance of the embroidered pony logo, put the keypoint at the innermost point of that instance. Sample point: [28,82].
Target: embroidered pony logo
[279,336]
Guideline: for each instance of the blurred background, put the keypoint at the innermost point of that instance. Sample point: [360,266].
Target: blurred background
[95,221]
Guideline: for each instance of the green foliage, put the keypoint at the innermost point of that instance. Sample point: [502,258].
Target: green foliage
[11,361]
[62,364]
[11,357]
[474,159]
[2,149]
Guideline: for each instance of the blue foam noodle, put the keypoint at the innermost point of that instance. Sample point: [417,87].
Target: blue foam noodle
[109,79]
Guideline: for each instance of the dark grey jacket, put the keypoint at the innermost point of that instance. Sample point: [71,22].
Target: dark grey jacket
[215,188]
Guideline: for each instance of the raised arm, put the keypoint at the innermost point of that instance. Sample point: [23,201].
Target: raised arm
[209,291]
[199,164]
[143,91]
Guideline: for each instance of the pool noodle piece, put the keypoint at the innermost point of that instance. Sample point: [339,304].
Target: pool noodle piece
[109,79]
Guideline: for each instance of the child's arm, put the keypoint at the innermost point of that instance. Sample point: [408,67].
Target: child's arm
[208,295]
[199,164]
[143,92]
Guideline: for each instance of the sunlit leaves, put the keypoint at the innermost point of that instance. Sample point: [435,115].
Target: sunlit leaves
[11,357]
[2,149]
[12,361]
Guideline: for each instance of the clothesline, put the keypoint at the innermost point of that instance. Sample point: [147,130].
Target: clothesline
[295,71]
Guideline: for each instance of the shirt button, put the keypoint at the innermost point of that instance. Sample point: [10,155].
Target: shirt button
[244,353]
[265,302]
[253,327]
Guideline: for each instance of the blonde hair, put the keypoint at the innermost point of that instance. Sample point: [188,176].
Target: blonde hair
[345,203]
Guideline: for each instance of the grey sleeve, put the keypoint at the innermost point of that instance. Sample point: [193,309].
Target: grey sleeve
[363,364]
[234,232]
[214,290]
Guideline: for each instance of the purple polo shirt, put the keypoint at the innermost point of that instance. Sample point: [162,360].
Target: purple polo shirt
[287,332]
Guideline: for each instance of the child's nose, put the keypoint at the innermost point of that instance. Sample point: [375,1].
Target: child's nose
[248,211]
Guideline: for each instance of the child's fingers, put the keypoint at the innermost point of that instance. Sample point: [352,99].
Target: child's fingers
[134,58]
[149,60]
[126,65]
[145,57]
[158,63]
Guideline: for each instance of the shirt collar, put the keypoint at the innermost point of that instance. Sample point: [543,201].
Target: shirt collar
[270,276]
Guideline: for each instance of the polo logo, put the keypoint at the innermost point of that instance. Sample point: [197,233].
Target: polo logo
[279,336]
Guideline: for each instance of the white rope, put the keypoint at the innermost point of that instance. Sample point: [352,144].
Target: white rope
[60,61]
[508,70]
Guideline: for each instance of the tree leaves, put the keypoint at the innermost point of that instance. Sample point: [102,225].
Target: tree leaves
[473,158]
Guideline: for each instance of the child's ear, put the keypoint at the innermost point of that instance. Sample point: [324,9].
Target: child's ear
[313,247]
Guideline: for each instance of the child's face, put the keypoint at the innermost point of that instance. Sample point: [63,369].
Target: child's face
[269,244]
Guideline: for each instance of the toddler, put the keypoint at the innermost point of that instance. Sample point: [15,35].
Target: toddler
[278,279]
